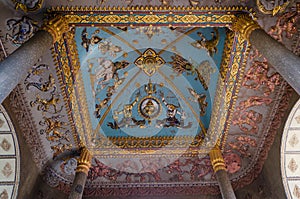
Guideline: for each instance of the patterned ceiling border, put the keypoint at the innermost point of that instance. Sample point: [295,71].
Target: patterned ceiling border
[67,62]
[184,9]
[253,171]
[162,16]
[24,117]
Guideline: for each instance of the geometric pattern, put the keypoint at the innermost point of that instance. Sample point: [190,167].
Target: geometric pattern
[9,158]
[290,154]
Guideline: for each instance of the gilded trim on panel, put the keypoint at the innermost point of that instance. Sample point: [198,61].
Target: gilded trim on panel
[242,60]
[187,9]
[171,16]
[59,53]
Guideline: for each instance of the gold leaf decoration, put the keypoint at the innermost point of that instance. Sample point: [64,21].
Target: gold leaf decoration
[149,62]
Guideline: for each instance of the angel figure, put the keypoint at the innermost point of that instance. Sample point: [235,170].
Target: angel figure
[201,99]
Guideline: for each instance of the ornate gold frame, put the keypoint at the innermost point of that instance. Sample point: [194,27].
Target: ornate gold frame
[67,63]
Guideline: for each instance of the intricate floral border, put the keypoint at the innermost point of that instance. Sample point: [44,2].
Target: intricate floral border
[19,106]
[253,171]
[140,15]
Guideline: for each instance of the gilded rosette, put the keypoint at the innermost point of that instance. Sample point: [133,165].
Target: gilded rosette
[56,26]
[84,162]
[244,24]
[216,159]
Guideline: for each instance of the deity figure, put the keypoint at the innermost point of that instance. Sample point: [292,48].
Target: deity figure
[201,99]
[209,44]
[87,42]
[258,76]
[286,23]
[171,120]
[128,120]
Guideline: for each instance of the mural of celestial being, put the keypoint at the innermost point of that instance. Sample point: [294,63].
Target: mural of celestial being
[144,83]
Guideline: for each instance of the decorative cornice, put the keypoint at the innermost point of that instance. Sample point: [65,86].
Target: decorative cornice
[146,8]
[56,26]
[162,15]
[216,159]
[245,25]
[85,161]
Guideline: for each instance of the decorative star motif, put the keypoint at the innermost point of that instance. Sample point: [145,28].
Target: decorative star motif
[293,166]
[7,170]
[294,140]
[149,62]
[5,145]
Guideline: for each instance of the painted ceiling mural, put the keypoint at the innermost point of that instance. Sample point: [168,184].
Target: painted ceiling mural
[146,97]
[141,87]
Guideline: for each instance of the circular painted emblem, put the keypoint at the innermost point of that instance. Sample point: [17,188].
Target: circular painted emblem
[149,107]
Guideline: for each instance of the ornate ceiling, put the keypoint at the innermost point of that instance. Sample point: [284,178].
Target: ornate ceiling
[149,91]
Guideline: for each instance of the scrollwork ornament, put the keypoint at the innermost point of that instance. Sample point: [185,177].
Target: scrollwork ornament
[28,5]
[56,26]
[84,162]
[245,25]
[276,8]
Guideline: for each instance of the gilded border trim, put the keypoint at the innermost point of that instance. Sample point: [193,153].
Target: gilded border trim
[140,15]
[62,68]
[147,8]
[241,50]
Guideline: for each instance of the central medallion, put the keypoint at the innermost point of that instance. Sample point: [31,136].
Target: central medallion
[149,62]
[149,108]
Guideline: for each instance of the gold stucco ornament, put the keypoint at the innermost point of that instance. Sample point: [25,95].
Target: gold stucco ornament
[245,25]
[56,26]
[216,159]
[84,162]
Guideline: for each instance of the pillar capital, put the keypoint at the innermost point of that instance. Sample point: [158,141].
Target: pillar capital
[84,162]
[56,27]
[244,24]
[216,159]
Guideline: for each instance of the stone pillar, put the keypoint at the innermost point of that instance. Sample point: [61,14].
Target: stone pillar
[15,67]
[218,164]
[83,167]
[284,61]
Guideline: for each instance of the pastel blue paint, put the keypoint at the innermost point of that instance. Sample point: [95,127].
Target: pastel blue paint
[133,42]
